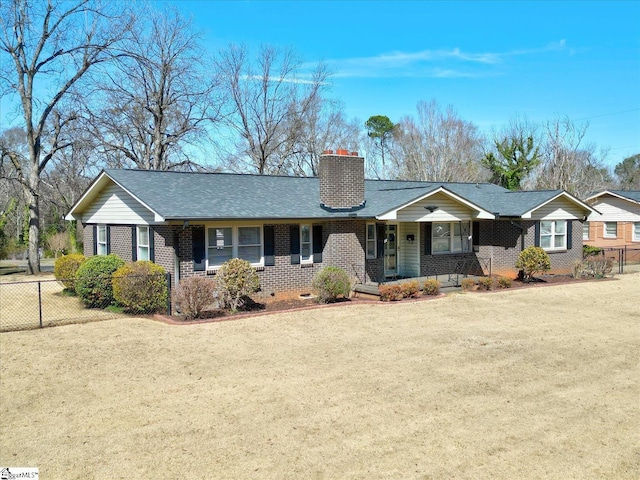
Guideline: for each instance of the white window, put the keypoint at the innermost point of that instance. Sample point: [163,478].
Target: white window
[101,240]
[585,231]
[636,232]
[143,243]
[220,245]
[250,244]
[610,229]
[225,243]
[371,240]
[306,252]
[553,235]
[451,237]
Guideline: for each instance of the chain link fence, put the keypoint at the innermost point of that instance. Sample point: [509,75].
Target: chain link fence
[32,304]
[622,256]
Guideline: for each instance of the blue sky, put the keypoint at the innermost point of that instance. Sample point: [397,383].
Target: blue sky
[489,60]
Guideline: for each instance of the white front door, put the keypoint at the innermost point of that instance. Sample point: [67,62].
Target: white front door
[391,251]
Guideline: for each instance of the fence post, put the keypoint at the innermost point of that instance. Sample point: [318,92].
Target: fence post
[40,303]
[621,260]
[168,280]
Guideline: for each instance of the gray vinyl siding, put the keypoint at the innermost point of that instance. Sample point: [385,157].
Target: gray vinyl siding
[409,252]
[115,206]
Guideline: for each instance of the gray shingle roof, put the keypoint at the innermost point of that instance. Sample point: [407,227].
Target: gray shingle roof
[180,195]
[630,194]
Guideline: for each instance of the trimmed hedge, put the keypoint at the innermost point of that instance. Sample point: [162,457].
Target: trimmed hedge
[331,283]
[141,287]
[94,280]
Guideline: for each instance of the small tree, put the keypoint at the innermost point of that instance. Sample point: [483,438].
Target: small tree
[58,243]
[533,260]
[237,279]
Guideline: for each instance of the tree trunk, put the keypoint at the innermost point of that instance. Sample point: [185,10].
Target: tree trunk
[33,201]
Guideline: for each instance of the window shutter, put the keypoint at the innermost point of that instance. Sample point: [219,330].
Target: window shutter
[294,244]
[134,243]
[475,234]
[152,250]
[537,234]
[95,239]
[380,231]
[427,238]
[198,247]
[269,245]
[317,243]
[108,239]
[569,234]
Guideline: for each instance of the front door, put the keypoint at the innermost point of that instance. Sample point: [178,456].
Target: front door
[391,251]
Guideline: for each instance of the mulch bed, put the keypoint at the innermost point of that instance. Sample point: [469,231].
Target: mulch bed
[307,303]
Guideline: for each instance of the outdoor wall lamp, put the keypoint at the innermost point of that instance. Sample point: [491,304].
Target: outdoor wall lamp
[431,208]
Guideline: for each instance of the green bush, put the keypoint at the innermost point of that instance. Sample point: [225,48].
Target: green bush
[66,267]
[194,295]
[504,282]
[236,280]
[410,289]
[533,260]
[331,283]
[390,293]
[140,287]
[589,251]
[93,280]
[431,287]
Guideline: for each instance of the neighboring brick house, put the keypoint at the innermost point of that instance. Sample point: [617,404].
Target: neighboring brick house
[291,227]
[616,221]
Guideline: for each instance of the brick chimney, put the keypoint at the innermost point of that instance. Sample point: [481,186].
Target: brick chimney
[341,180]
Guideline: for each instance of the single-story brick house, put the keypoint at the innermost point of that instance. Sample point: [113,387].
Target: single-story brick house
[290,227]
[616,223]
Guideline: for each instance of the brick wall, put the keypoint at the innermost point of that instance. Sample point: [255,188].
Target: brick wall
[120,238]
[341,180]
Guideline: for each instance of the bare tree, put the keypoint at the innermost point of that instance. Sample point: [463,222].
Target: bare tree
[47,48]
[438,146]
[157,96]
[568,163]
[269,101]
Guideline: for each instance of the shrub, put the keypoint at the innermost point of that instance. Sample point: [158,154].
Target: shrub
[599,267]
[485,283]
[431,287]
[468,284]
[66,267]
[589,251]
[140,287]
[504,282]
[390,293]
[410,289]
[193,295]
[578,269]
[533,260]
[237,279]
[93,280]
[330,283]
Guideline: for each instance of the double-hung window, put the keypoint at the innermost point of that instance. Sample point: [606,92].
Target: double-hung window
[101,240]
[142,236]
[585,231]
[610,229]
[553,235]
[371,240]
[636,232]
[306,252]
[451,237]
[225,243]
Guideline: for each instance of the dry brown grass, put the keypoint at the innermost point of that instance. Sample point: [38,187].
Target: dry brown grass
[534,383]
